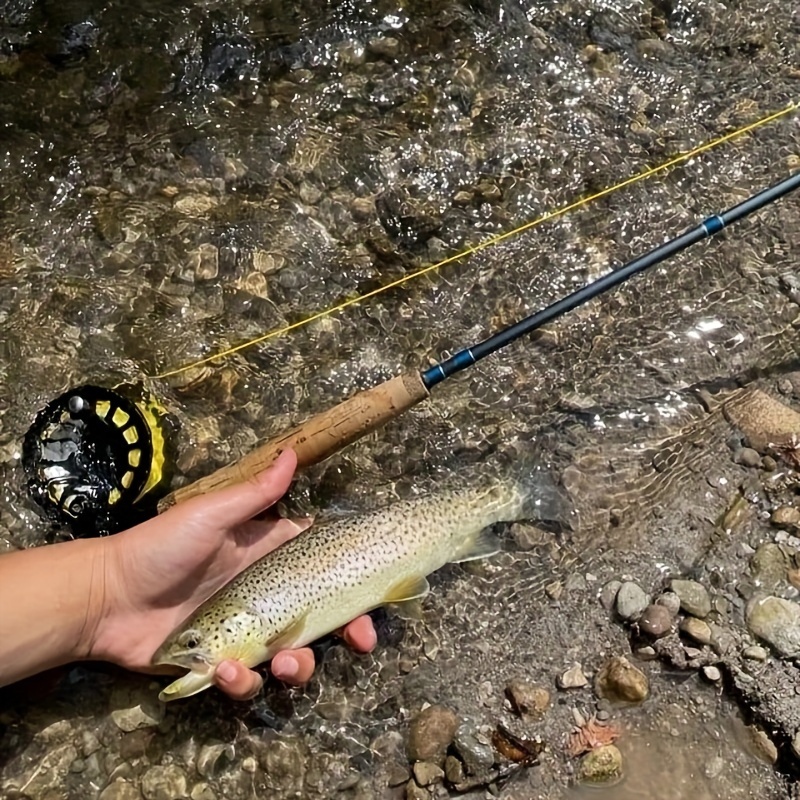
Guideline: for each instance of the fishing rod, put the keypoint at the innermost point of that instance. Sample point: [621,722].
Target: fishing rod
[328,432]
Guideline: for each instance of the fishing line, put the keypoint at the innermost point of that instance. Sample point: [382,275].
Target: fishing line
[489,242]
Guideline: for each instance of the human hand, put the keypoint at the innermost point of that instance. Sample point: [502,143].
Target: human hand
[156,574]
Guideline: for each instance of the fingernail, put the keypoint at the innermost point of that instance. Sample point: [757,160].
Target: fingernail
[226,672]
[289,667]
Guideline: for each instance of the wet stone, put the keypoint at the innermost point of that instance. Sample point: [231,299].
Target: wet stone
[631,601]
[528,700]
[398,774]
[656,621]
[213,756]
[768,567]
[195,205]
[285,762]
[140,709]
[697,630]
[164,783]
[748,457]
[693,596]
[763,747]
[120,790]
[787,517]
[204,262]
[386,46]
[427,773]
[669,600]
[477,755]
[202,791]
[603,765]
[608,594]
[573,678]
[712,673]
[777,622]
[416,792]
[619,680]
[453,770]
[755,653]
[431,733]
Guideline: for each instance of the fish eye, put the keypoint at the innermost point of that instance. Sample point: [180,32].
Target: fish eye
[190,640]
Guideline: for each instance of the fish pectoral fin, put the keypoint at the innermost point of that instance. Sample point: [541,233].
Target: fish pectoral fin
[483,545]
[289,637]
[407,589]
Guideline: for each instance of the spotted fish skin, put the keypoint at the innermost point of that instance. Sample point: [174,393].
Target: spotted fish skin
[329,575]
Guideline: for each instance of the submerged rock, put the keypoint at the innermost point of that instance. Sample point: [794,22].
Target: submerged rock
[431,733]
[120,790]
[477,755]
[777,622]
[426,773]
[528,700]
[693,596]
[601,766]
[631,601]
[164,783]
[619,680]
[656,621]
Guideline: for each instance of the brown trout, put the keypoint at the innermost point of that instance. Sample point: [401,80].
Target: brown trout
[328,575]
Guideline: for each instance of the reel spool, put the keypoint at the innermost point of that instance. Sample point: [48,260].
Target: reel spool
[94,456]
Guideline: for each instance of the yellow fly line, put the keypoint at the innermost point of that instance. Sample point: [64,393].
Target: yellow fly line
[491,241]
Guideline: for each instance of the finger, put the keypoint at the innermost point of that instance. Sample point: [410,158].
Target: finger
[237,681]
[236,504]
[360,634]
[293,666]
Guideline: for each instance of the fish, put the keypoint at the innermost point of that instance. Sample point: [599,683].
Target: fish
[332,573]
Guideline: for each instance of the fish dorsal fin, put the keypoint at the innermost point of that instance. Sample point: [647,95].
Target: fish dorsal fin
[411,588]
[484,544]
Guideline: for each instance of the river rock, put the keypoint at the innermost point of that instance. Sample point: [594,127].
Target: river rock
[608,594]
[136,708]
[697,629]
[777,622]
[427,773]
[768,567]
[755,653]
[431,733]
[285,762]
[602,765]
[656,621]
[631,601]
[573,678]
[477,755]
[416,792]
[202,791]
[619,680]
[164,783]
[453,770]
[693,596]
[669,600]
[120,790]
[786,517]
[528,700]
[211,755]
[712,673]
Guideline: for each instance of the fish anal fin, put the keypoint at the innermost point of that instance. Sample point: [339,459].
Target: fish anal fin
[411,588]
[483,545]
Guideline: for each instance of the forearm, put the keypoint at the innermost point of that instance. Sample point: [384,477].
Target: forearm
[50,601]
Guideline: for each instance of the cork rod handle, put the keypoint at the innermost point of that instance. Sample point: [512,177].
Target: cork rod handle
[319,437]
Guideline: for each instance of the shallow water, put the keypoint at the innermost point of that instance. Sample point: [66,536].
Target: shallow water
[179,178]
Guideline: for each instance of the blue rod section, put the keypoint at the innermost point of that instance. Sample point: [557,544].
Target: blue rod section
[708,227]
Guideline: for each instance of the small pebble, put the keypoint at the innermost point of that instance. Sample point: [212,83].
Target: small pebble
[249,764]
[693,596]
[656,621]
[786,517]
[431,733]
[619,680]
[714,767]
[763,746]
[712,673]
[631,601]
[528,700]
[755,653]
[608,594]
[697,630]
[748,457]
[669,600]
[603,765]
[453,770]
[573,678]
[777,622]
[646,653]
[427,773]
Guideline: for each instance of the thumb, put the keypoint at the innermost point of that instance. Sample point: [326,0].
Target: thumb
[238,503]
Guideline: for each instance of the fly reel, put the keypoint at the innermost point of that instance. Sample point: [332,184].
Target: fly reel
[94,456]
